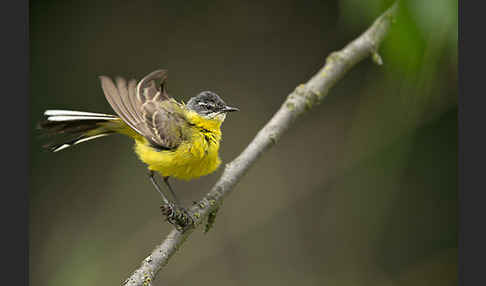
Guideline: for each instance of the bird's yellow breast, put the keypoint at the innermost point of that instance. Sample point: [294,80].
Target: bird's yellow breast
[195,157]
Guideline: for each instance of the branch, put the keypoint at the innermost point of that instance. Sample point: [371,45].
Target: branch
[303,98]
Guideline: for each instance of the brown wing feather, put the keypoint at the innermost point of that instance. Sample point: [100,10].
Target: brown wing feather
[147,109]
[164,122]
[147,90]
[121,85]
[115,97]
[132,99]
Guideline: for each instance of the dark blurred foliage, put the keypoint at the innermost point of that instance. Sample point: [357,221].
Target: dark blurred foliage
[361,191]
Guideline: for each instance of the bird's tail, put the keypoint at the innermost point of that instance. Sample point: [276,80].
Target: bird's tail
[78,126]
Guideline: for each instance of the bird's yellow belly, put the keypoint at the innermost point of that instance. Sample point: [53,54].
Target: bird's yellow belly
[188,161]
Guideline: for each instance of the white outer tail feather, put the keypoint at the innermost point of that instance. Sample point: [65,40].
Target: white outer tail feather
[70,115]
[59,112]
[67,145]
[71,118]
[57,115]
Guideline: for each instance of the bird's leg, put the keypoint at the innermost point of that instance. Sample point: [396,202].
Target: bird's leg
[152,179]
[180,217]
[166,181]
[177,216]
[168,208]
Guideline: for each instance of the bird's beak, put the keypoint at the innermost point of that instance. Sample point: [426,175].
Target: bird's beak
[230,109]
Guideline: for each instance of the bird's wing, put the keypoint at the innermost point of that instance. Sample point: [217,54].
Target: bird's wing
[147,108]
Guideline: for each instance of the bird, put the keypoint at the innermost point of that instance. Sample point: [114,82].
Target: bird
[174,139]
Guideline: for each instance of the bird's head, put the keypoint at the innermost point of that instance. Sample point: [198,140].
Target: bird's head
[209,105]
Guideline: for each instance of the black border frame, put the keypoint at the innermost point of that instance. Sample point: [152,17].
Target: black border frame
[15,139]
[472,195]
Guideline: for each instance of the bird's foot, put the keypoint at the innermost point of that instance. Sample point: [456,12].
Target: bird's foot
[179,217]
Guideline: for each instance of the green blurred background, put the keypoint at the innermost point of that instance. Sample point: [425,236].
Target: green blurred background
[361,191]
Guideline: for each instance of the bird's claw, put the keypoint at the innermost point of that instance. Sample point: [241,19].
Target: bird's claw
[181,218]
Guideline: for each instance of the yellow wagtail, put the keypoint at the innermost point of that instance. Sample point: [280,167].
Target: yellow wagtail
[174,139]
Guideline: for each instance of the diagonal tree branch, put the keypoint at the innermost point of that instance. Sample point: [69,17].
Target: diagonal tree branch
[303,98]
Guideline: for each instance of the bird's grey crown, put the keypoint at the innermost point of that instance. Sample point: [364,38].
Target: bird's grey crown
[206,102]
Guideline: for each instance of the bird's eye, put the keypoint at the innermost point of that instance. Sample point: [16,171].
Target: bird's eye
[206,105]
